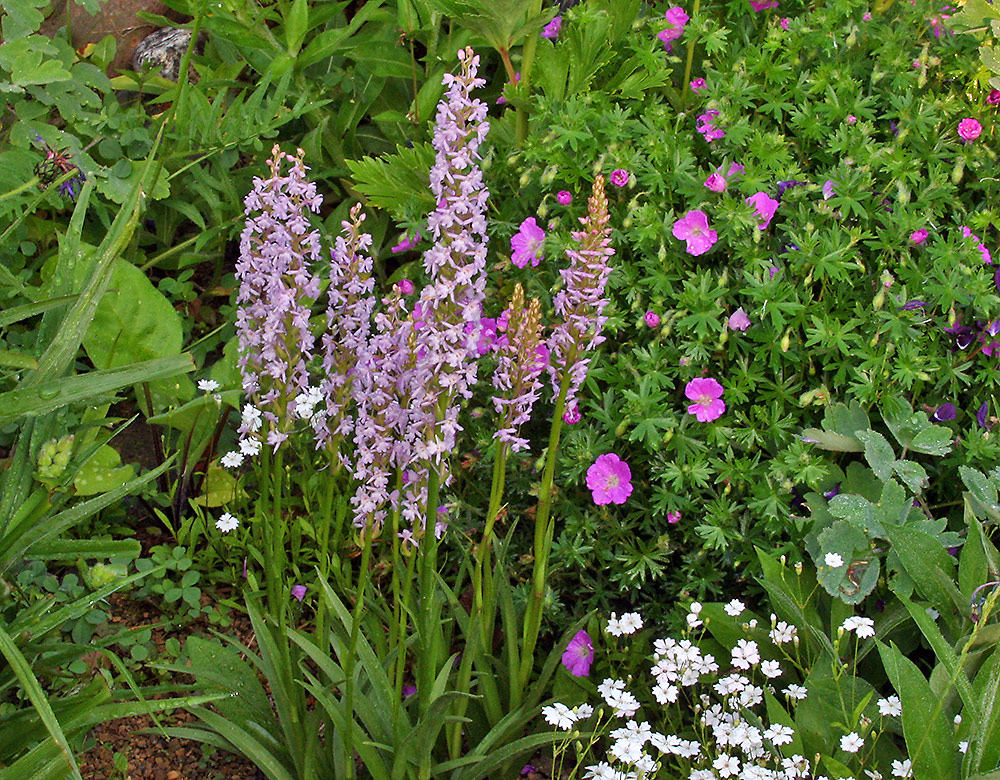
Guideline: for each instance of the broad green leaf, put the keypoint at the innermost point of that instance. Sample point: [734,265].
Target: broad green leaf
[912,474]
[102,472]
[934,440]
[133,322]
[922,557]
[928,732]
[878,453]
[220,488]
[973,568]
[984,744]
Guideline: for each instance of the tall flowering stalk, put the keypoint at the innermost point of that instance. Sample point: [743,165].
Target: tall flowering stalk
[581,304]
[348,325]
[276,291]
[277,248]
[521,358]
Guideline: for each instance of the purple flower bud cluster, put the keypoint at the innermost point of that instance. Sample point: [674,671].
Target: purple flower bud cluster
[581,302]
[521,357]
[348,324]
[277,248]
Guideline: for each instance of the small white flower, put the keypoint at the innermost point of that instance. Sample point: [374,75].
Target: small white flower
[745,654]
[631,622]
[779,735]
[250,446]
[252,419]
[782,633]
[902,768]
[851,743]
[833,560]
[614,625]
[862,626]
[695,607]
[208,385]
[890,706]
[771,669]
[795,692]
[957,719]
[559,715]
[735,608]
[583,711]
[933,613]
[726,765]
[227,523]
[232,460]
[963,747]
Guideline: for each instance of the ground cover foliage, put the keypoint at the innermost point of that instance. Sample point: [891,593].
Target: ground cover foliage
[720,275]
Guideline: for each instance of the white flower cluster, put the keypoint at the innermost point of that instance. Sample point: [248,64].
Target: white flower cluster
[249,445]
[735,740]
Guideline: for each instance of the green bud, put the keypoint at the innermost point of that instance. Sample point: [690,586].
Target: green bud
[958,171]
[620,430]
[54,456]
[525,178]
[902,193]
[874,341]
[661,254]
[97,576]
[723,337]
[542,210]
[627,223]
[879,300]
[786,341]
[549,175]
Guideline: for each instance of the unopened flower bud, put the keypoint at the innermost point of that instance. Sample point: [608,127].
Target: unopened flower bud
[549,175]
[54,456]
[525,178]
[661,253]
[786,341]
[958,171]
[879,300]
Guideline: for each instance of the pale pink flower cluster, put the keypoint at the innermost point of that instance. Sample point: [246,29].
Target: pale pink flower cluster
[277,248]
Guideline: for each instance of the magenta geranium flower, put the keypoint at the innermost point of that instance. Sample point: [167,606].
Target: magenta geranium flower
[763,5]
[765,206]
[676,18]
[707,396]
[526,244]
[739,320]
[619,177]
[564,198]
[579,654]
[652,319]
[610,480]
[693,228]
[551,30]
[918,236]
[697,85]
[969,129]
[716,182]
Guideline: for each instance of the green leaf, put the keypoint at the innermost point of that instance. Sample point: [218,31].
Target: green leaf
[22,671]
[927,563]
[984,742]
[930,743]
[912,474]
[133,322]
[32,401]
[102,472]
[296,25]
[934,440]
[878,453]
[973,568]
[828,440]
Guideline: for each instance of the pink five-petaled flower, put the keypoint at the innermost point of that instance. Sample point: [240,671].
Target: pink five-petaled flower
[739,320]
[676,18]
[697,85]
[763,5]
[765,206]
[707,396]
[969,129]
[609,479]
[918,236]
[551,30]
[619,177]
[705,125]
[526,244]
[716,182]
[693,228]
[579,654]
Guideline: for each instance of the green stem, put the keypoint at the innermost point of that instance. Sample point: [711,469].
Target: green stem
[426,663]
[527,60]
[543,543]
[323,555]
[363,576]
[685,88]
[28,185]
[482,576]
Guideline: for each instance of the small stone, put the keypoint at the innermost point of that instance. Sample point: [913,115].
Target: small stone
[173,774]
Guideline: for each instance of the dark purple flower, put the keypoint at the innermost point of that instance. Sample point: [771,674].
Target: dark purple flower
[964,335]
[835,490]
[911,305]
[298,592]
[981,414]
[944,413]
[996,278]
[409,690]
[784,185]
[528,769]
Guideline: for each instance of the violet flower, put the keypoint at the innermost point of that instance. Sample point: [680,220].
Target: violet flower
[944,413]
[551,30]
[348,321]
[579,654]
[581,301]
[982,413]
[277,248]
